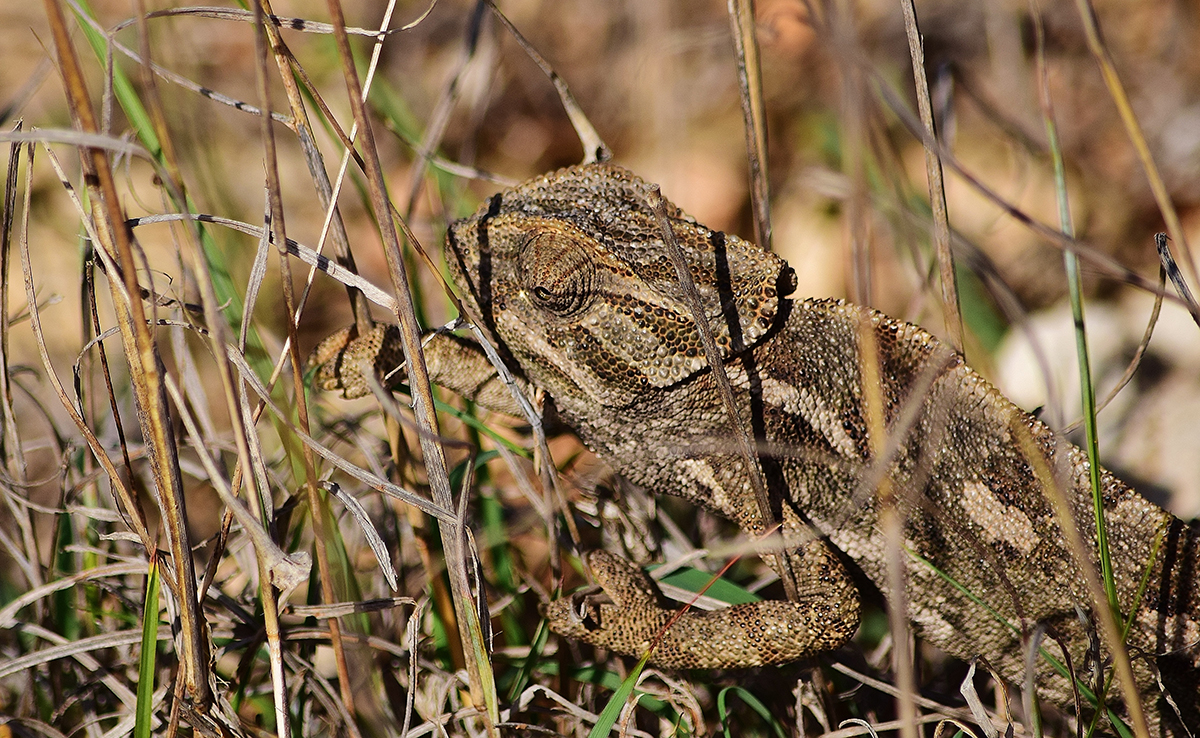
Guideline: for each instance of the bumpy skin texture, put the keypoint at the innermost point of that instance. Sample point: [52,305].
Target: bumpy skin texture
[570,276]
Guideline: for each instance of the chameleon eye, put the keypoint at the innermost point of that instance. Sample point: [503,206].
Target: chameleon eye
[557,272]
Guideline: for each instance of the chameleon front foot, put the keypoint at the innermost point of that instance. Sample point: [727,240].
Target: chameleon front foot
[341,359]
[625,615]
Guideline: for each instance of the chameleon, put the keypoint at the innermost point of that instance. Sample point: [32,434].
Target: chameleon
[850,412]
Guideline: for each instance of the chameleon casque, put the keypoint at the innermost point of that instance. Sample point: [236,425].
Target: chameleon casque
[571,279]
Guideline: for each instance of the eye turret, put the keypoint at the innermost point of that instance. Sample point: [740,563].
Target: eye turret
[557,272]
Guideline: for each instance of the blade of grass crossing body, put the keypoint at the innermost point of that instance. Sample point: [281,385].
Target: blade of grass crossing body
[1086,387]
[148,660]
[1133,608]
[1087,392]
[1055,663]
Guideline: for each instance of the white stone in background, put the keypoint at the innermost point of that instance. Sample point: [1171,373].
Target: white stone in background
[1151,432]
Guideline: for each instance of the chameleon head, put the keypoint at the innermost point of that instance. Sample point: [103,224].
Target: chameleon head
[571,275]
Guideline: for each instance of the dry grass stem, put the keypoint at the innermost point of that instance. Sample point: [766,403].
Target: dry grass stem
[376,567]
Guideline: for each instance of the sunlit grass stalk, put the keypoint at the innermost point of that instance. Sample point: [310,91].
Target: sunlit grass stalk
[951,312]
[754,116]
[1116,90]
[144,360]
[1106,620]
[479,670]
[891,521]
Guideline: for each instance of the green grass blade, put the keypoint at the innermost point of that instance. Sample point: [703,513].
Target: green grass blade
[612,711]
[1086,385]
[148,661]
[123,89]
[695,580]
[753,703]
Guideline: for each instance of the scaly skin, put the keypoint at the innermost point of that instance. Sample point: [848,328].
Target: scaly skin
[573,283]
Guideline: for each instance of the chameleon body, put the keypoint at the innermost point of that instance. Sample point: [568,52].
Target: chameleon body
[571,279]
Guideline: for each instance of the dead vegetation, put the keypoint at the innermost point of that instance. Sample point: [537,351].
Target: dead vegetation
[153,400]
